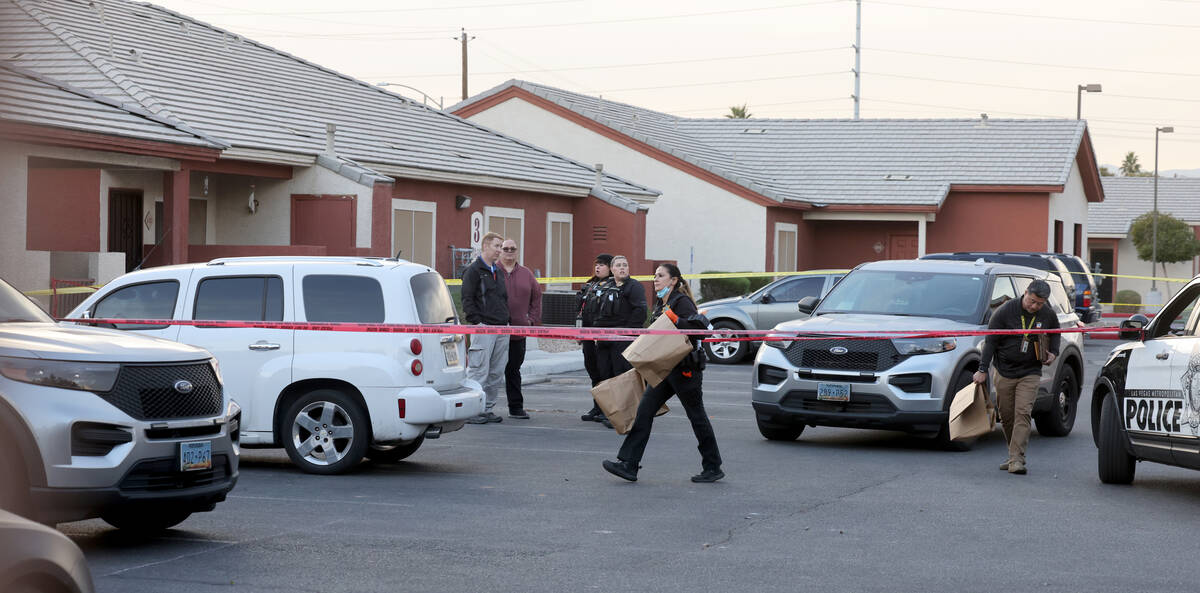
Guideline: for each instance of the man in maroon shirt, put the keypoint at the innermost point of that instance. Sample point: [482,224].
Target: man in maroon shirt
[524,308]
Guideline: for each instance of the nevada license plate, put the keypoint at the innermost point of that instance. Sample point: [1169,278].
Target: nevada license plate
[451,351]
[195,456]
[833,392]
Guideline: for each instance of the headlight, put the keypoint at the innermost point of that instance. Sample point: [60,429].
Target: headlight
[84,376]
[216,367]
[233,415]
[779,343]
[906,346]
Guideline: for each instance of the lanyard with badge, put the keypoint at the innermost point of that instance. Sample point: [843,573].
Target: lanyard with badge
[1033,323]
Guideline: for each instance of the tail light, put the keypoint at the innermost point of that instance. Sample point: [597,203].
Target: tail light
[417,368]
[1087,299]
[415,346]
[400,407]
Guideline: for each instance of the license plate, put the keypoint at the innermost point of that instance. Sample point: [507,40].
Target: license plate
[451,351]
[195,456]
[833,392]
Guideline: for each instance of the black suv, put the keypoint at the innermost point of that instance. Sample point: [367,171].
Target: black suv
[1146,399]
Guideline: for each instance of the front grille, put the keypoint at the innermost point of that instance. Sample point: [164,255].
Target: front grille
[157,475]
[860,355]
[860,403]
[147,392]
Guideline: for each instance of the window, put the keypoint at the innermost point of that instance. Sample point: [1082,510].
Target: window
[433,301]
[558,245]
[1058,236]
[151,300]
[1078,236]
[413,230]
[921,294]
[246,298]
[342,298]
[1021,283]
[1058,297]
[1178,318]
[1002,292]
[790,292]
[508,223]
[785,247]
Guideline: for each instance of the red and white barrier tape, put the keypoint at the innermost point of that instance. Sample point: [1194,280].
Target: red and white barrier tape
[591,333]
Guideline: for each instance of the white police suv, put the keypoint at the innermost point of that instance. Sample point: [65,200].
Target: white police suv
[327,397]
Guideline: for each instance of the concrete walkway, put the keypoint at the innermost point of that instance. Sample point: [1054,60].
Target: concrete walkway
[539,364]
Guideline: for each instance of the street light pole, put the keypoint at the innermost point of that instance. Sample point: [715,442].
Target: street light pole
[1091,88]
[1154,222]
[426,99]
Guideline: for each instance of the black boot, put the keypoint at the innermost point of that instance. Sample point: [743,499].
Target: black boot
[709,475]
[593,416]
[622,469]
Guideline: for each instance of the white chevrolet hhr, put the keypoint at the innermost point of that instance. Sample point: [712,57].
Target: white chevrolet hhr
[327,397]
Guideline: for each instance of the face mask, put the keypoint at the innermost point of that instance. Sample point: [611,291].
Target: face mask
[662,293]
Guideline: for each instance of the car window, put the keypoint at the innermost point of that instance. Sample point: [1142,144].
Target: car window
[790,292]
[1174,319]
[433,301]
[149,300]
[1002,292]
[1036,263]
[925,294]
[15,306]
[243,298]
[1021,283]
[336,297]
[1058,297]
[1078,272]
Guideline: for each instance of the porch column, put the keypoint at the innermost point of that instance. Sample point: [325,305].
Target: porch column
[176,186]
[921,236]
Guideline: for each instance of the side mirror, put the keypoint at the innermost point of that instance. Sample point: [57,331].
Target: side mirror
[808,304]
[1131,329]
[767,299]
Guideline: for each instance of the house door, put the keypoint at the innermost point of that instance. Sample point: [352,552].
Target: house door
[1104,259]
[324,220]
[902,246]
[125,225]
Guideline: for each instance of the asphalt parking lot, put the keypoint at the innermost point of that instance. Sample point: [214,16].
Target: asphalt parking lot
[525,506]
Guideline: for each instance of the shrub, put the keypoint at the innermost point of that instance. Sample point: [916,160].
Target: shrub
[720,288]
[1128,296]
[758,282]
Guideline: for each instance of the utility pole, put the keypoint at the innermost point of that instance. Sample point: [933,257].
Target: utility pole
[464,39]
[857,54]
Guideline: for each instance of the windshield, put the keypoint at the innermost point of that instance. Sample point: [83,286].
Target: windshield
[15,306]
[956,297]
[434,304]
[1077,271]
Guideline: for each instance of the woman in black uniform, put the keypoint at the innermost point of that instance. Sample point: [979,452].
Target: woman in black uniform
[588,300]
[622,304]
[674,301]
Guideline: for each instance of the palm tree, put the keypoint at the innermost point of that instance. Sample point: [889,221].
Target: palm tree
[1130,167]
[739,112]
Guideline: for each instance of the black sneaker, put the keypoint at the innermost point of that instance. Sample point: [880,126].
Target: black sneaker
[492,417]
[518,413]
[622,469]
[708,475]
[606,422]
[480,419]
[593,416]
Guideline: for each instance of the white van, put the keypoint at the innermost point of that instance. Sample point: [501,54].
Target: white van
[327,397]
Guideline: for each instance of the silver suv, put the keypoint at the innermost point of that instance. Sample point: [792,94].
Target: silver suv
[764,308]
[100,423]
[903,383]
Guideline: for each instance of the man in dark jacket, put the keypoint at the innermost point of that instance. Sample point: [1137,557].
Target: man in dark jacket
[485,302]
[1018,361]
[524,308]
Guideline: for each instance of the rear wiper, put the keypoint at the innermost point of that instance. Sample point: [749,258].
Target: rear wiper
[449,319]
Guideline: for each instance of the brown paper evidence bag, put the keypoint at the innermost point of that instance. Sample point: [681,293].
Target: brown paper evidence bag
[653,356]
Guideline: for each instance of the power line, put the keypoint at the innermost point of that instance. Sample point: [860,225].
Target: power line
[756,105]
[383,10]
[1043,64]
[719,82]
[1038,16]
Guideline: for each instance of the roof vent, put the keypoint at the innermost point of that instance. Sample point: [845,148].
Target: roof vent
[330,132]
[99,10]
[754,131]
[184,27]
[462,156]
[137,55]
[897,177]
[536,166]
[599,174]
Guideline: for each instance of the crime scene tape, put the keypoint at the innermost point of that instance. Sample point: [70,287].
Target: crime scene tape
[645,278]
[586,333]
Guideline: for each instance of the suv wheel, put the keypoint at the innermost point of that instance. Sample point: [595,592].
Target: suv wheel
[390,453]
[779,432]
[325,432]
[726,352]
[145,518]
[14,487]
[965,377]
[1060,418]
[1115,464]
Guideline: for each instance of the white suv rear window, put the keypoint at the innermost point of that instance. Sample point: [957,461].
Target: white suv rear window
[434,304]
[342,298]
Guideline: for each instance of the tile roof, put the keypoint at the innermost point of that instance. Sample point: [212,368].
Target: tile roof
[1126,198]
[29,98]
[823,162]
[262,101]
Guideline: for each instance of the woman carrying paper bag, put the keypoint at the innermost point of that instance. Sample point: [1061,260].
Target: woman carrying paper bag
[675,302]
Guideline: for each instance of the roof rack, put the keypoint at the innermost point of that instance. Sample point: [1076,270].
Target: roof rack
[361,261]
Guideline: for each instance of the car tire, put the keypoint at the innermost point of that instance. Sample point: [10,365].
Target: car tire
[943,436]
[779,432]
[146,518]
[393,453]
[726,352]
[1113,461]
[1060,418]
[325,432]
[14,484]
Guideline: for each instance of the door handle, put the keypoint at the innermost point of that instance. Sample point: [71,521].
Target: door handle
[261,345]
[1162,355]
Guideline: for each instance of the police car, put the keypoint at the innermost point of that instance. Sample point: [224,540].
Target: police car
[1146,400]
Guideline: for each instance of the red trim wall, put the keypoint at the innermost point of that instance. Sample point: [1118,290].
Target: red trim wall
[975,221]
[70,138]
[847,243]
[63,210]
[806,257]
[246,168]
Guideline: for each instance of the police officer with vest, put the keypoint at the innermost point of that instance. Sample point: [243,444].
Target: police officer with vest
[588,302]
[622,304]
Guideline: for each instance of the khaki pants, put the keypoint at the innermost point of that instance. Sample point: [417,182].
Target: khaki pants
[1014,398]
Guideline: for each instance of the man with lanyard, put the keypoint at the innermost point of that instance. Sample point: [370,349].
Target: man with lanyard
[1019,359]
[485,302]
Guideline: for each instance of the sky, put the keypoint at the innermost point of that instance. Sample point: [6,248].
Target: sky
[696,58]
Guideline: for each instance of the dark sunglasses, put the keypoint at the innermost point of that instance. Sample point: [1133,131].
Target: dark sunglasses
[509,250]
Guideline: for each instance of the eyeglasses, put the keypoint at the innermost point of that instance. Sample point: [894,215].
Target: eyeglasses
[509,250]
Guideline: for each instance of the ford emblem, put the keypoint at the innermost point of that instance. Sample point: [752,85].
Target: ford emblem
[185,387]
[838,350]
